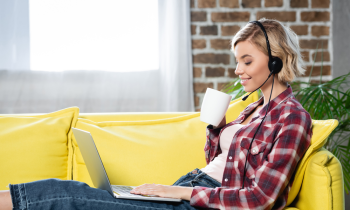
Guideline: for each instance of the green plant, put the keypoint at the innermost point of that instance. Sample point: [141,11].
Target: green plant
[323,100]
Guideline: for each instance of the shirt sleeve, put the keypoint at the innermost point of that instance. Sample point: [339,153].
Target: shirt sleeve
[211,147]
[290,144]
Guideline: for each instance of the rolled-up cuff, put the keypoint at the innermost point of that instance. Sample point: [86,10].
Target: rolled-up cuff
[211,127]
[18,196]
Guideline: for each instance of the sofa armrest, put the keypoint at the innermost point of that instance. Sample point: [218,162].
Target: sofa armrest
[323,184]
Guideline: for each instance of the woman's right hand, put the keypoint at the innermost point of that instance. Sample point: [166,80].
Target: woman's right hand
[222,123]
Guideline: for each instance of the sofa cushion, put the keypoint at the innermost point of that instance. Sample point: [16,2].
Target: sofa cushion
[36,147]
[321,129]
[323,186]
[149,151]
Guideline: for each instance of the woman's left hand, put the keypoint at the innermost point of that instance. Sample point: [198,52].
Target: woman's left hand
[165,191]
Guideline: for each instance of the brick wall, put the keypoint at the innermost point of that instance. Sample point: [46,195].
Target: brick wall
[215,22]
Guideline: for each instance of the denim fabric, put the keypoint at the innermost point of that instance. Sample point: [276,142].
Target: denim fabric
[197,178]
[56,194]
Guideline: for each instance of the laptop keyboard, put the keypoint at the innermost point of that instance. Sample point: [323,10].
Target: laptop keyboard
[122,190]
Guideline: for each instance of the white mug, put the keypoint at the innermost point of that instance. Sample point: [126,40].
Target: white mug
[214,106]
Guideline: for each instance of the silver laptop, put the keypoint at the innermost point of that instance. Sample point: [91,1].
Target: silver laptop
[98,173]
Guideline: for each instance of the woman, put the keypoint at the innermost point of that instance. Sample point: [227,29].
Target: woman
[281,141]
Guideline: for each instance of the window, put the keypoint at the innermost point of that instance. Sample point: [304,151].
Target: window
[109,35]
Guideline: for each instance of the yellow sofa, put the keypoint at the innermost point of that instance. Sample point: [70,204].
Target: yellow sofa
[147,147]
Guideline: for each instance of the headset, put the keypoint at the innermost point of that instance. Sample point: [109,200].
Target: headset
[275,66]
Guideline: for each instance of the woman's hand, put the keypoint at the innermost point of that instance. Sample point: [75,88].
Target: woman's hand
[222,123]
[165,191]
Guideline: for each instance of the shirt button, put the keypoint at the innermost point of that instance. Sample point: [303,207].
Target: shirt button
[230,157]
[253,150]
[226,180]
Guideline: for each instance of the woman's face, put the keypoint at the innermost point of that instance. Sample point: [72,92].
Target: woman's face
[252,66]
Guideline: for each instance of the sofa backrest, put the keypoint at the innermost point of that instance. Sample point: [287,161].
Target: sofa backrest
[155,148]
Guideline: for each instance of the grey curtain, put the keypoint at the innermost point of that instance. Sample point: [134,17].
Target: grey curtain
[91,91]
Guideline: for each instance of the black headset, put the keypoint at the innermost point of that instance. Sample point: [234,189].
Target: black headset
[275,66]
[275,63]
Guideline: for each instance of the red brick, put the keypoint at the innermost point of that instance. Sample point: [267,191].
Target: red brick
[319,56]
[320,30]
[211,58]
[229,30]
[196,101]
[281,16]
[221,85]
[220,44]
[193,29]
[251,3]
[320,3]
[198,43]
[273,3]
[209,30]
[317,71]
[200,87]
[197,72]
[230,16]
[231,73]
[314,16]
[312,44]
[305,55]
[214,72]
[300,30]
[206,3]
[229,3]
[299,3]
[198,16]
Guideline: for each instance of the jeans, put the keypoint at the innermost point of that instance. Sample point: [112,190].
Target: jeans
[197,178]
[59,194]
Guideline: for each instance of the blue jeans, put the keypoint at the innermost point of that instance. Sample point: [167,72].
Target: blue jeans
[56,194]
[197,178]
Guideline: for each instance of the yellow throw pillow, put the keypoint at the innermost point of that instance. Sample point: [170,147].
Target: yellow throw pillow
[321,129]
[36,147]
[149,151]
[323,185]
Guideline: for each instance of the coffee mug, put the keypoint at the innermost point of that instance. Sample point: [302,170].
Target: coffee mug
[214,106]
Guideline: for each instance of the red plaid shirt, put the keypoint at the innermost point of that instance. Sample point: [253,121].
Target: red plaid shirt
[282,140]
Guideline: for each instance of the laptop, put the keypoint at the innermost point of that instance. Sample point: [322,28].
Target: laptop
[98,173]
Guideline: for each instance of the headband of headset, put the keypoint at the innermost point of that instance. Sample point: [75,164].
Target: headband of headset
[275,64]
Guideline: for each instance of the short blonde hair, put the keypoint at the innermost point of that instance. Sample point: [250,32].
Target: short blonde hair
[283,43]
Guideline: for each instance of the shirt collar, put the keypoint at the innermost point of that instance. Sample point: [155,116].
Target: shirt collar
[273,103]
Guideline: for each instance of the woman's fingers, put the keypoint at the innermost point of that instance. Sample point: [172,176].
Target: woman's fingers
[152,189]
[147,189]
[157,190]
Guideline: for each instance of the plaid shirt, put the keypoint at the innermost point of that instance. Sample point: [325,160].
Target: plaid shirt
[282,140]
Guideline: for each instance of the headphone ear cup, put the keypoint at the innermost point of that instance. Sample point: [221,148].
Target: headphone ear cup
[275,65]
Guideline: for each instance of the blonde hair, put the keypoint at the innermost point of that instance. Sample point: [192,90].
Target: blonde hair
[283,44]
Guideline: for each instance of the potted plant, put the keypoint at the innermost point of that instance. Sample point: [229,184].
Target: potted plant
[323,100]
